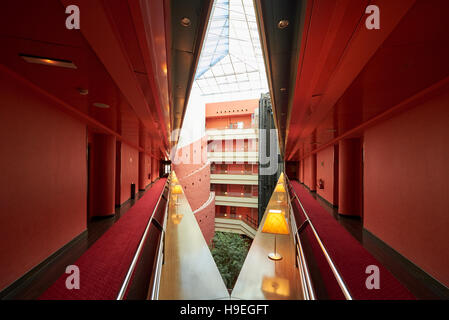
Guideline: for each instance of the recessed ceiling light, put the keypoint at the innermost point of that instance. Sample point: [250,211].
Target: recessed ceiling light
[282,24]
[101,105]
[185,22]
[48,61]
[83,92]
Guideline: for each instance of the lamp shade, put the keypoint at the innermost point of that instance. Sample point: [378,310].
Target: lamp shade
[275,223]
[281,178]
[176,189]
[279,188]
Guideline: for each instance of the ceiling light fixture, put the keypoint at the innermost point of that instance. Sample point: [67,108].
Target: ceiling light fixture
[83,92]
[185,22]
[282,24]
[48,61]
[101,105]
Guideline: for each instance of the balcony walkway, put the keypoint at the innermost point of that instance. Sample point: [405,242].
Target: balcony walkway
[189,271]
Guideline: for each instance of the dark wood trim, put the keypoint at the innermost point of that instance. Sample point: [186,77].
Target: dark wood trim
[432,284]
[24,280]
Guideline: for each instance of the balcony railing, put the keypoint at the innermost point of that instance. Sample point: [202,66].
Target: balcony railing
[237,149]
[234,126]
[235,172]
[245,218]
[236,194]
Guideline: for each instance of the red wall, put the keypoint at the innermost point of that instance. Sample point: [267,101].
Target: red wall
[129,171]
[44,176]
[310,172]
[350,174]
[206,221]
[325,171]
[406,185]
[144,170]
[154,169]
[241,107]
[193,172]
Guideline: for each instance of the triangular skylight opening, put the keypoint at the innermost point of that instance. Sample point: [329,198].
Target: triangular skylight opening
[231,69]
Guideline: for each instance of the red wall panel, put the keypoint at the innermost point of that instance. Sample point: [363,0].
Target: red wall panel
[325,171]
[129,171]
[44,179]
[350,177]
[144,170]
[406,185]
[310,172]
[103,175]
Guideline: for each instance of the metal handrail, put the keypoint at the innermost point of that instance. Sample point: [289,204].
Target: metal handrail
[244,218]
[160,260]
[334,269]
[132,266]
[307,287]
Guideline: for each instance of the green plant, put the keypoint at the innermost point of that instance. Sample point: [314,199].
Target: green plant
[229,251]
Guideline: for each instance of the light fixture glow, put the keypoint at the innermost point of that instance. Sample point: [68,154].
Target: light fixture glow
[185,22]
[176,189]
[279,188]
[101,105]
[48,62]
[282,24]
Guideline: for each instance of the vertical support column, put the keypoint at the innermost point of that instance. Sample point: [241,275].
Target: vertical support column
[103,175]
[336,178]
[142,172]
[313,172]
[350,177]
[153,169]
[118,173]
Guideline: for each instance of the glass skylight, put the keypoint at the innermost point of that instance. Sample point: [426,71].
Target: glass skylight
[231,62]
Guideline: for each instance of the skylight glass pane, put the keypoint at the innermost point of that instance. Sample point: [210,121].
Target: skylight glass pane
[231,59]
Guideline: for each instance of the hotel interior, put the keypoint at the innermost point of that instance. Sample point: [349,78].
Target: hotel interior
[224,150]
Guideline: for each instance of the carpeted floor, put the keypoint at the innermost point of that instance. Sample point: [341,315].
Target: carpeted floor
[104,265]
[349,256]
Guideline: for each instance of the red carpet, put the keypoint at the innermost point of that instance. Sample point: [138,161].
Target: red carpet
[349,256]
[104,265]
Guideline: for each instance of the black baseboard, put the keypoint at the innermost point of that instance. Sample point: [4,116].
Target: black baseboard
[34,272]
[140,190]
[307,187]
[325,201]
[432,284]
